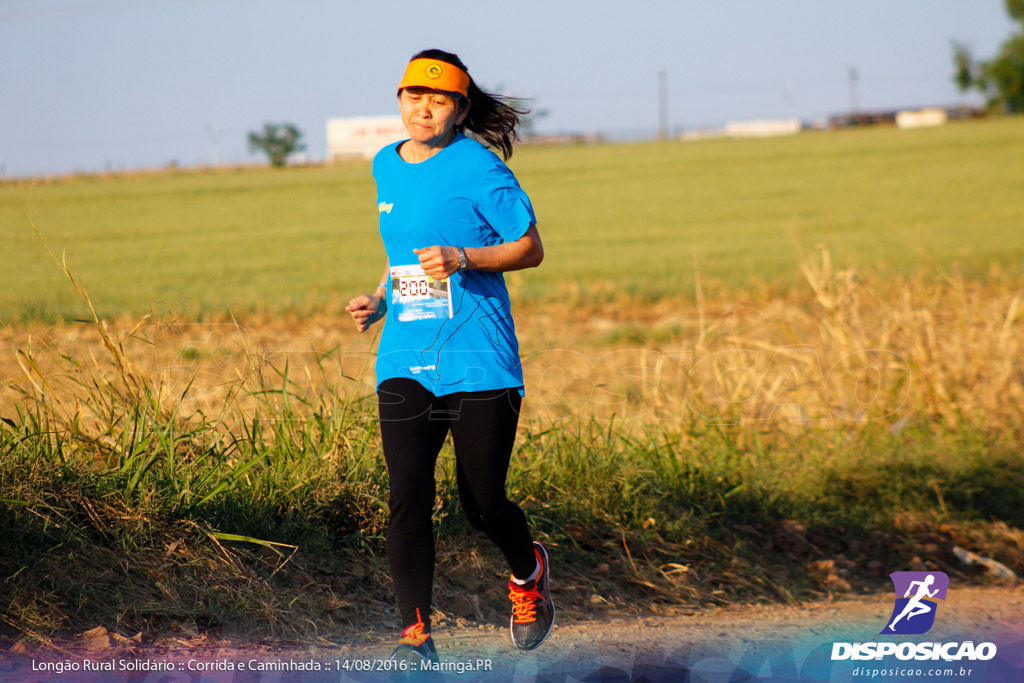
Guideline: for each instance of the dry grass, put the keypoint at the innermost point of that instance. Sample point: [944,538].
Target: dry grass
[743,445]
[935,349]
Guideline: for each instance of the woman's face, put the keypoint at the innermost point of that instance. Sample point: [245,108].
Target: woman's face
[430,115]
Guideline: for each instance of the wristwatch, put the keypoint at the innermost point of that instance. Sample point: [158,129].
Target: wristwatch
[462,258]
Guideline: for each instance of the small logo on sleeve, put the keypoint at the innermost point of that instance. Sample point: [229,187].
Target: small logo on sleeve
[384,207]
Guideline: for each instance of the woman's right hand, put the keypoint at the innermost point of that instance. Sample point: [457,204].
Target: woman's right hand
[365,311]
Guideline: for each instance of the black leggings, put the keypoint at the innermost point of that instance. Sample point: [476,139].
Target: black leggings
[413,426]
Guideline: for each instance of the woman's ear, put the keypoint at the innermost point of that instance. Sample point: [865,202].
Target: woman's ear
[464,105]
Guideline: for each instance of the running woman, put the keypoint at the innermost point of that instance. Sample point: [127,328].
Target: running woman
[453,219]
[916,605]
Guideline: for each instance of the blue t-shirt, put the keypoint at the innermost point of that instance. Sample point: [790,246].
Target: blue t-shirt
[456,335]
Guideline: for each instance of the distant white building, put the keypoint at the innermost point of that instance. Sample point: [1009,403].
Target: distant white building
[922,118]
[762,128]
[702,134]
[362,136]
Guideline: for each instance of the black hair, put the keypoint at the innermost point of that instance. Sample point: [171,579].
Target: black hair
[492,118]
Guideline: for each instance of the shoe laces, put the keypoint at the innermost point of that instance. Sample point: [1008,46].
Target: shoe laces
[414,634]
[524,603]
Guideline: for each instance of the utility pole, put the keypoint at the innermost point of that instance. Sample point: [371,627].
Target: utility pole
[851,76]
[662,104]
[214,132]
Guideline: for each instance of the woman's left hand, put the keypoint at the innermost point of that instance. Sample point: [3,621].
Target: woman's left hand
[438,262]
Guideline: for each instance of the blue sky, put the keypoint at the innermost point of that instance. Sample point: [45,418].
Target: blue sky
[139,83]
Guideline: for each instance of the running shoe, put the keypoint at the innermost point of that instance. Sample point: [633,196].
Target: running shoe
[415,646]
[533,611]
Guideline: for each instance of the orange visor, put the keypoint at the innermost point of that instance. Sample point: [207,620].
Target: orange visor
[433,73]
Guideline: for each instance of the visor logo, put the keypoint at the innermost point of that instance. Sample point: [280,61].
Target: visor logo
[917,594]
[434,71]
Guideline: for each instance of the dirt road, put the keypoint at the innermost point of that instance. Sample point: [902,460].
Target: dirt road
[755,643]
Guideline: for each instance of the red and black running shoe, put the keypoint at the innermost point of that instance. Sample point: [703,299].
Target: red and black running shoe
[416,646]
[533,611]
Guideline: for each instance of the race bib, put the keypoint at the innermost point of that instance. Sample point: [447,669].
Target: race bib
[417,296]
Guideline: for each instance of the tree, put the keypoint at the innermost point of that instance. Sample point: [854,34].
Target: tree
[529,121]
[277,141]
[1001,79]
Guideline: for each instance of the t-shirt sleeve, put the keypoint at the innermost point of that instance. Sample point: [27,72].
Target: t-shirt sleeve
[504,205]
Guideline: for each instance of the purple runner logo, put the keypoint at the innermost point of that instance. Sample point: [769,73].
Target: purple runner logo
[914,612]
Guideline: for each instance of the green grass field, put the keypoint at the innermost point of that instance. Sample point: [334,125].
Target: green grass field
[798,430]
[614,218]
